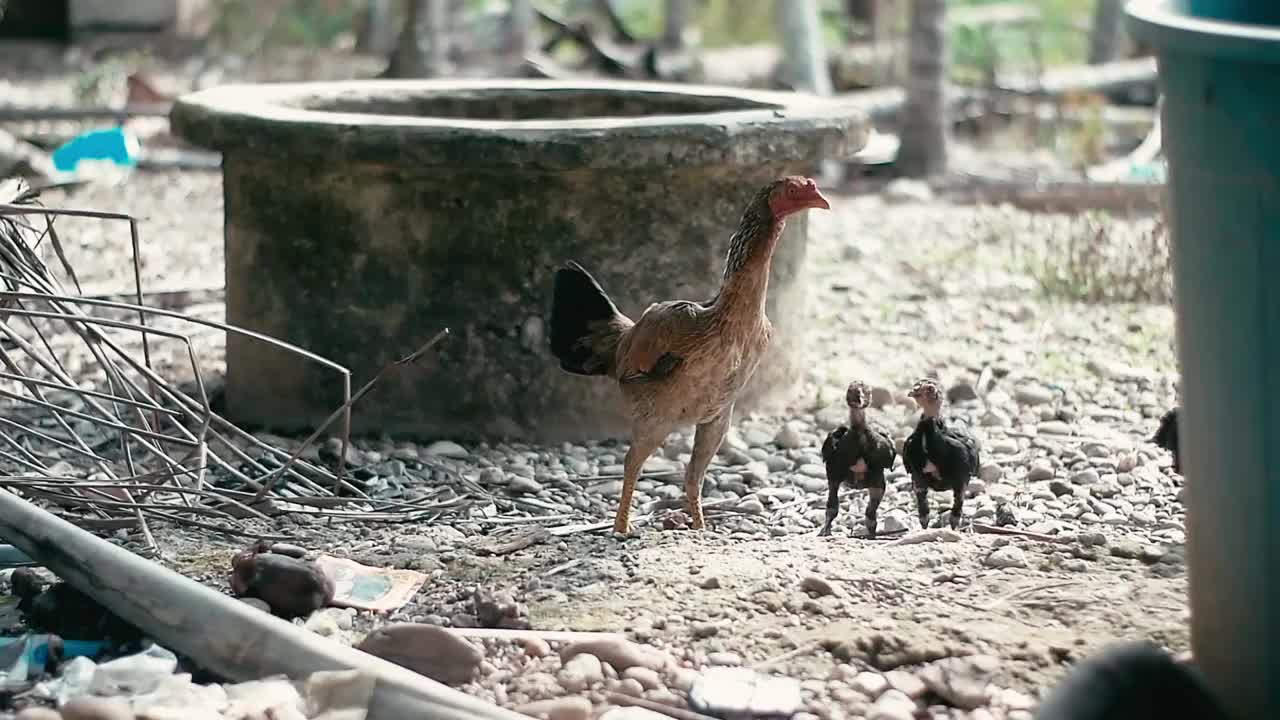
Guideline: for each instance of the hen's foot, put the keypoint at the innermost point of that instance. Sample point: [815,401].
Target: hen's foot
[622,526]
[825,531]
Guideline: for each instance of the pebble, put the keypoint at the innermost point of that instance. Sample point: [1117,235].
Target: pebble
[906,683]
[870,684]
[521,484]
[425,649]
[817,586]
[961,681]
[87,707]
[570,707]
[726,691]
[619,653]
[647,677]
[1006,557]
[724,658]
[446,448]
[789,438]
[1033,395]
[892,705]
[1040,470]
[580,673]
[37,712]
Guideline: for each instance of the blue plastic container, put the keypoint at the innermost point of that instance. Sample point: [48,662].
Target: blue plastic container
[115,144]
[1220,77]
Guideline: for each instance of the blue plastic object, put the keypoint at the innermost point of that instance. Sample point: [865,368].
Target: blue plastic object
[1221,85]
[114,144]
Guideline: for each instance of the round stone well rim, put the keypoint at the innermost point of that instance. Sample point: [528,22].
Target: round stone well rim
[265,119]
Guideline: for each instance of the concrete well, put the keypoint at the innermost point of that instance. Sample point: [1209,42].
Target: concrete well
[361,217]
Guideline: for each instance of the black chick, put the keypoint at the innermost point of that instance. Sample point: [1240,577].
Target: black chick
[1131,680]
[940,454]
[1166,436]
[858,455]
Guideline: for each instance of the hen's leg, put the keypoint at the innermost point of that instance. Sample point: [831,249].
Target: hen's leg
[643,443]
[922,500]
[833,506]
[957,502]
[706,441]
[875,494]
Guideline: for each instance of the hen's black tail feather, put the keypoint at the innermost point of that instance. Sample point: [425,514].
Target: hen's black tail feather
[579,307]
[1128,681]
[1167,436]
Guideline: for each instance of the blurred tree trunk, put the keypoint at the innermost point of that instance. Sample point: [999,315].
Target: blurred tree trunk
[377,31]
[804,57]
[1104,36]
[521,42]
[675,24]
[924,116]
[422,51]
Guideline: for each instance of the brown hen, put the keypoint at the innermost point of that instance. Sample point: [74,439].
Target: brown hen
[682,362]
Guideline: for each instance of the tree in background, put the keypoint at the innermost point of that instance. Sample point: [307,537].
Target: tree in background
[422,51]
[1104,36]
[675,24]
[923,150]
[521,41]
[804,57]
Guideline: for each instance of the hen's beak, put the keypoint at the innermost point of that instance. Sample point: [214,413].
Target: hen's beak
[815,198]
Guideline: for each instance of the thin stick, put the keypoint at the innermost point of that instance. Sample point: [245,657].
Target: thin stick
[270,481]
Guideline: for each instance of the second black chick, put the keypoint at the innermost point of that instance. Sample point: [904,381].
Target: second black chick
[940,454]
[858,455]
[1166,436]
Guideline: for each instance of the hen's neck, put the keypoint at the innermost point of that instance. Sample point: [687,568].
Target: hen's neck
[746,269]
[857,417]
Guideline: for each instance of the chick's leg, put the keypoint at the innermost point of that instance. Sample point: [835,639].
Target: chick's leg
[957,502]
[875,494]
[643,443]
[922,500]
[833,507]
[706,442]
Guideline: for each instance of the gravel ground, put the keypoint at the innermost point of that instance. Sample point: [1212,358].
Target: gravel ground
[1062,397]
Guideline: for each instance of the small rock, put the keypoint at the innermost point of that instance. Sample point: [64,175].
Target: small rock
[536,647]
[906,683]
[1060,488]
[88,707]
[571,707]
[446,448]
[1054,427]
[724,659]
[817,586]
[427,650]
[960,681]
[725,691]
[1127,549]
[620,654]
[1091,539]
[705,630]
[522,484]
[647,677]
[1009,556]
[580,673]
[893,521]
[1040,470]
[710,583]
[682,678]
[1033,395]
[892,705]
[960,392]
[1088,476]
[789,438]
[493,476]
[990,472]
[870,684]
